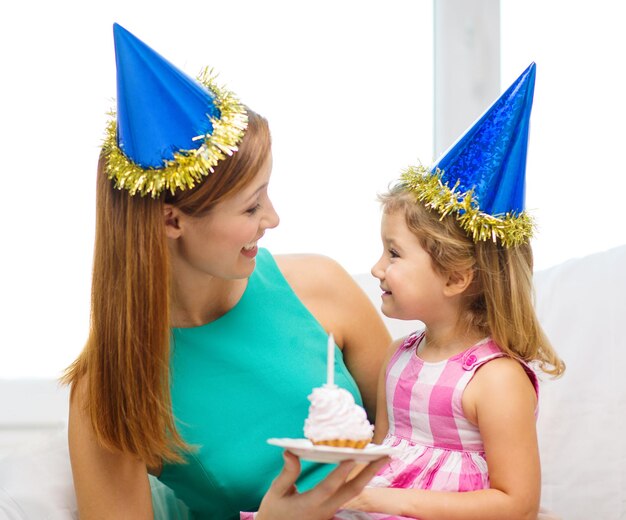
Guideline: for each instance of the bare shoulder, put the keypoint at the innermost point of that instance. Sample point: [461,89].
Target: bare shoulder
[501,384]
[327,290]
[78,396]
[313,272]
[502,372]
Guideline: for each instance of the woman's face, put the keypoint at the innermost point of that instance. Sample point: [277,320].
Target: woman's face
[224,242]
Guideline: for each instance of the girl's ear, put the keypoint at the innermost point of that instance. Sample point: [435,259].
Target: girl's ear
[458,282]
[171,221]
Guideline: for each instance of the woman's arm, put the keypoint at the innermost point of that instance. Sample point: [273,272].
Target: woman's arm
[501,400]
[108,484]
[382,417]
[341,306]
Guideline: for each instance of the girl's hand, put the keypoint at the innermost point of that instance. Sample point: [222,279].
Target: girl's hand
[359,502]
[283,502]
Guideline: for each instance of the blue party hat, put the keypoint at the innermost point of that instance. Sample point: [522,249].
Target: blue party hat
[170,129]
[481,177]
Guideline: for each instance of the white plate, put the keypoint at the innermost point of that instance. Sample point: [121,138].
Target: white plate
[305,449]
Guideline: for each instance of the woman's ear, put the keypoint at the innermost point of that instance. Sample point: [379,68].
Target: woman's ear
[171,221]
[458,282]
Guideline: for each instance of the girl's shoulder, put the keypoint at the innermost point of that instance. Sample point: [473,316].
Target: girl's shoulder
[496,365]
[495,373]
[497,369]
[479,354]
[502,376]
[501,386]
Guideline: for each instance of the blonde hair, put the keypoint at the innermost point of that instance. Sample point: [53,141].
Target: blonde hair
[499,300]
[125,363]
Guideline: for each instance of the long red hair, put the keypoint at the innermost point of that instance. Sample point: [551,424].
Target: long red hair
[125,363]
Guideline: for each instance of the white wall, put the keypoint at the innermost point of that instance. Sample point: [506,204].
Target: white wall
[576,170]
[346,86]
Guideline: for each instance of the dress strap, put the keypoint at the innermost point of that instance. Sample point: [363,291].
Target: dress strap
[410,342]
[481,353]
[485,351]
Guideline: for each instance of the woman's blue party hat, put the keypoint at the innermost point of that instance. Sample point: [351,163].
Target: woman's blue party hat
[481,177]
[170,129]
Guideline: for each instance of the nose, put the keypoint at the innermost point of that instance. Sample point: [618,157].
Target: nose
[271,219]
[377,269]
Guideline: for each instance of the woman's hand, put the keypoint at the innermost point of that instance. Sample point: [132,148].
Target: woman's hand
[283,502]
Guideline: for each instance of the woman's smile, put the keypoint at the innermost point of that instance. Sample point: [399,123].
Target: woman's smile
[250,250]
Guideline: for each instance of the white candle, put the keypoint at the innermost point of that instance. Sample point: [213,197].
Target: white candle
[330,369]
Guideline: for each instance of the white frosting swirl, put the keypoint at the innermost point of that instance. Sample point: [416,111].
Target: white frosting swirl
[333,414]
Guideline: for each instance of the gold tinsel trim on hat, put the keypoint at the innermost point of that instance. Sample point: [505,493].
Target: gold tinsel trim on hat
[188,166]
[510,228]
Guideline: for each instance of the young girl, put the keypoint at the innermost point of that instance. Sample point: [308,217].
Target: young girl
[458,400]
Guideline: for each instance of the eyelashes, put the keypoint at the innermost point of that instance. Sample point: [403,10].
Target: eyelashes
[253,209]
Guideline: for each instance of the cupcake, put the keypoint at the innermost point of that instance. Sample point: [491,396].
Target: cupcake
[336,420]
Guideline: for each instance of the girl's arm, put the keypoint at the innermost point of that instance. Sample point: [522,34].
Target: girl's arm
[341,306]
[108,484]
[501,400]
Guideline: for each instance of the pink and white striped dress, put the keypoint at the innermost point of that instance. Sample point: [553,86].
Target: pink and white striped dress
[436,446]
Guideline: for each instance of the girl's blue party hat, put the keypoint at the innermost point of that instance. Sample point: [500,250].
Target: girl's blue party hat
[170,130]
[481,177]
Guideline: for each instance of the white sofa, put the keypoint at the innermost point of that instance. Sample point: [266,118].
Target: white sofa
[582,420]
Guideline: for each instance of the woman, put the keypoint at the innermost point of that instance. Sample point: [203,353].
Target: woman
[201,344]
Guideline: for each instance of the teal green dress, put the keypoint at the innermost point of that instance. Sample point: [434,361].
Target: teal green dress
[238,381]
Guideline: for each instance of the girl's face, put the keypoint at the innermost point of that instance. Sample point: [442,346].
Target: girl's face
[224,243]
[412,290]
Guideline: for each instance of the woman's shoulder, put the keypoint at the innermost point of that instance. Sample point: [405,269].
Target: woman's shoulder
[295,261]
[330,293]
[314,273]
